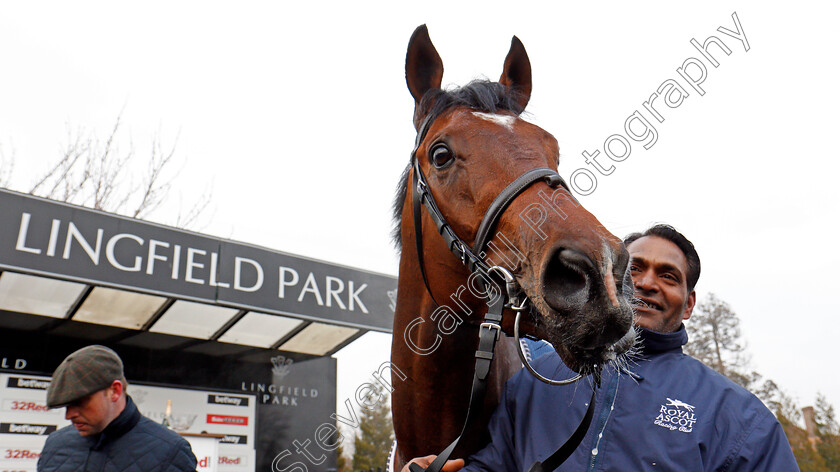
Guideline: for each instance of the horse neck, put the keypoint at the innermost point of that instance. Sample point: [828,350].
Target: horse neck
[428,317]
[437,386]
[421,321]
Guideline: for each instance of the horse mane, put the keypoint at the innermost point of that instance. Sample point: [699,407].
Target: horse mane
[480,95]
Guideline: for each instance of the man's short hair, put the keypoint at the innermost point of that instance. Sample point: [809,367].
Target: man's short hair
[668,232]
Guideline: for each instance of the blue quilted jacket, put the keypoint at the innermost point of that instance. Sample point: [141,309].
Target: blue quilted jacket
[672,414]
[131,443]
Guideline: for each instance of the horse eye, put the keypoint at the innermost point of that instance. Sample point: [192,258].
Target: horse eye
[442,156]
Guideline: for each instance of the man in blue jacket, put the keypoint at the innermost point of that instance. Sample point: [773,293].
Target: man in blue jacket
[665,411]
[107,433]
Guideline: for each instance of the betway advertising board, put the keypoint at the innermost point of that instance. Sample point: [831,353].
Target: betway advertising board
[25,421]
[74,243]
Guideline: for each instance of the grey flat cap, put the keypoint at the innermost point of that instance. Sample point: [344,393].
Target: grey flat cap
[83,372]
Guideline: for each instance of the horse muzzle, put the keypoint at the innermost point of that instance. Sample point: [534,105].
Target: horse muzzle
[593,321]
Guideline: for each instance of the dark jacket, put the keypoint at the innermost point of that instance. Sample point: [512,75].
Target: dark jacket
[131,443]
[672,414]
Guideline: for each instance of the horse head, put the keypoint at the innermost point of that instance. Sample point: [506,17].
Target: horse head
[482,184]
[475,144]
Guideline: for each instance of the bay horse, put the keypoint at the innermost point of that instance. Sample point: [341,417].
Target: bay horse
[472,146]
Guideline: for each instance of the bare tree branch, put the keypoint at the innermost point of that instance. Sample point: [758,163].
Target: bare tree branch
[61,171]
[7,166]
[153,188]
[101,175]
[191,217]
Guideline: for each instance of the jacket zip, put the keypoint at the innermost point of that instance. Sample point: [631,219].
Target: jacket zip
[606,410]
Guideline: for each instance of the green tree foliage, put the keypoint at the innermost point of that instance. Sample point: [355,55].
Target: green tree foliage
[829,450]
[828,432]
[714,334]
[341,461]
[824,416]
[376,431]
[715,339]
[807,458]
[780,403]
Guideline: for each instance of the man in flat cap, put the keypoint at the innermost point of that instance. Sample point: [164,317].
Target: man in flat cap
[108,432]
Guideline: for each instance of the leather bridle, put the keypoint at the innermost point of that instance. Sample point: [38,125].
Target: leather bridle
[469,256]
[508,289]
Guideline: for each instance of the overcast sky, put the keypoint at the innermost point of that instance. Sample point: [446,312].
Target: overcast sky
[299,118]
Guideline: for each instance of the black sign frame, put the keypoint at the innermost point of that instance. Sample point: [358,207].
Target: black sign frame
[69,242]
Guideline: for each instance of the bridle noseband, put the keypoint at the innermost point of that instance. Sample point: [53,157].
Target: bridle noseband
[508,289]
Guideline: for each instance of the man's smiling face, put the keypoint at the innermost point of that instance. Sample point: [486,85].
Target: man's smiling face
[659,270]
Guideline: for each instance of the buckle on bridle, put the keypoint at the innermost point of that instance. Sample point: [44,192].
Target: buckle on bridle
[522,306]
[462,249]
[512,288]
[492,325]
[421,186]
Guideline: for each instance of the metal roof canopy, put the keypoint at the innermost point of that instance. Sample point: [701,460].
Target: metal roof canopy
[69,264]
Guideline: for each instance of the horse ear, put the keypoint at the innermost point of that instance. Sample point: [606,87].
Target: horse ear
[423,67]
[517,72]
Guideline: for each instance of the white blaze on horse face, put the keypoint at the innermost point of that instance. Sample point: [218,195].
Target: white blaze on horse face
[504,120]
[609,279]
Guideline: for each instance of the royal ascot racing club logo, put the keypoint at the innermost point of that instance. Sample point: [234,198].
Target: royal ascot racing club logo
[676,415]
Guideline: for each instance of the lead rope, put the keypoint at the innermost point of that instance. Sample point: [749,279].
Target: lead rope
[489,332]
[484,357]
[565,451]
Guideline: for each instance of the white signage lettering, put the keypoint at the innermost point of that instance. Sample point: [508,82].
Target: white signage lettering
[135,252]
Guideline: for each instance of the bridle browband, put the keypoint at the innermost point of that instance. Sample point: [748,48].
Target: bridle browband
[508,289]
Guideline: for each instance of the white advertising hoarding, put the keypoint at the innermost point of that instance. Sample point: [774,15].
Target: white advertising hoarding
[25,421]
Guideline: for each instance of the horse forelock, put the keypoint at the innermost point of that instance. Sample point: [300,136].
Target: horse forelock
[479,95]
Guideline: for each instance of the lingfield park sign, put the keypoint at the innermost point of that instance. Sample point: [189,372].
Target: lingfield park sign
[74,243]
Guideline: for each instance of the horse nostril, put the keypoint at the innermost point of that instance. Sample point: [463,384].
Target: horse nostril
[566,279]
